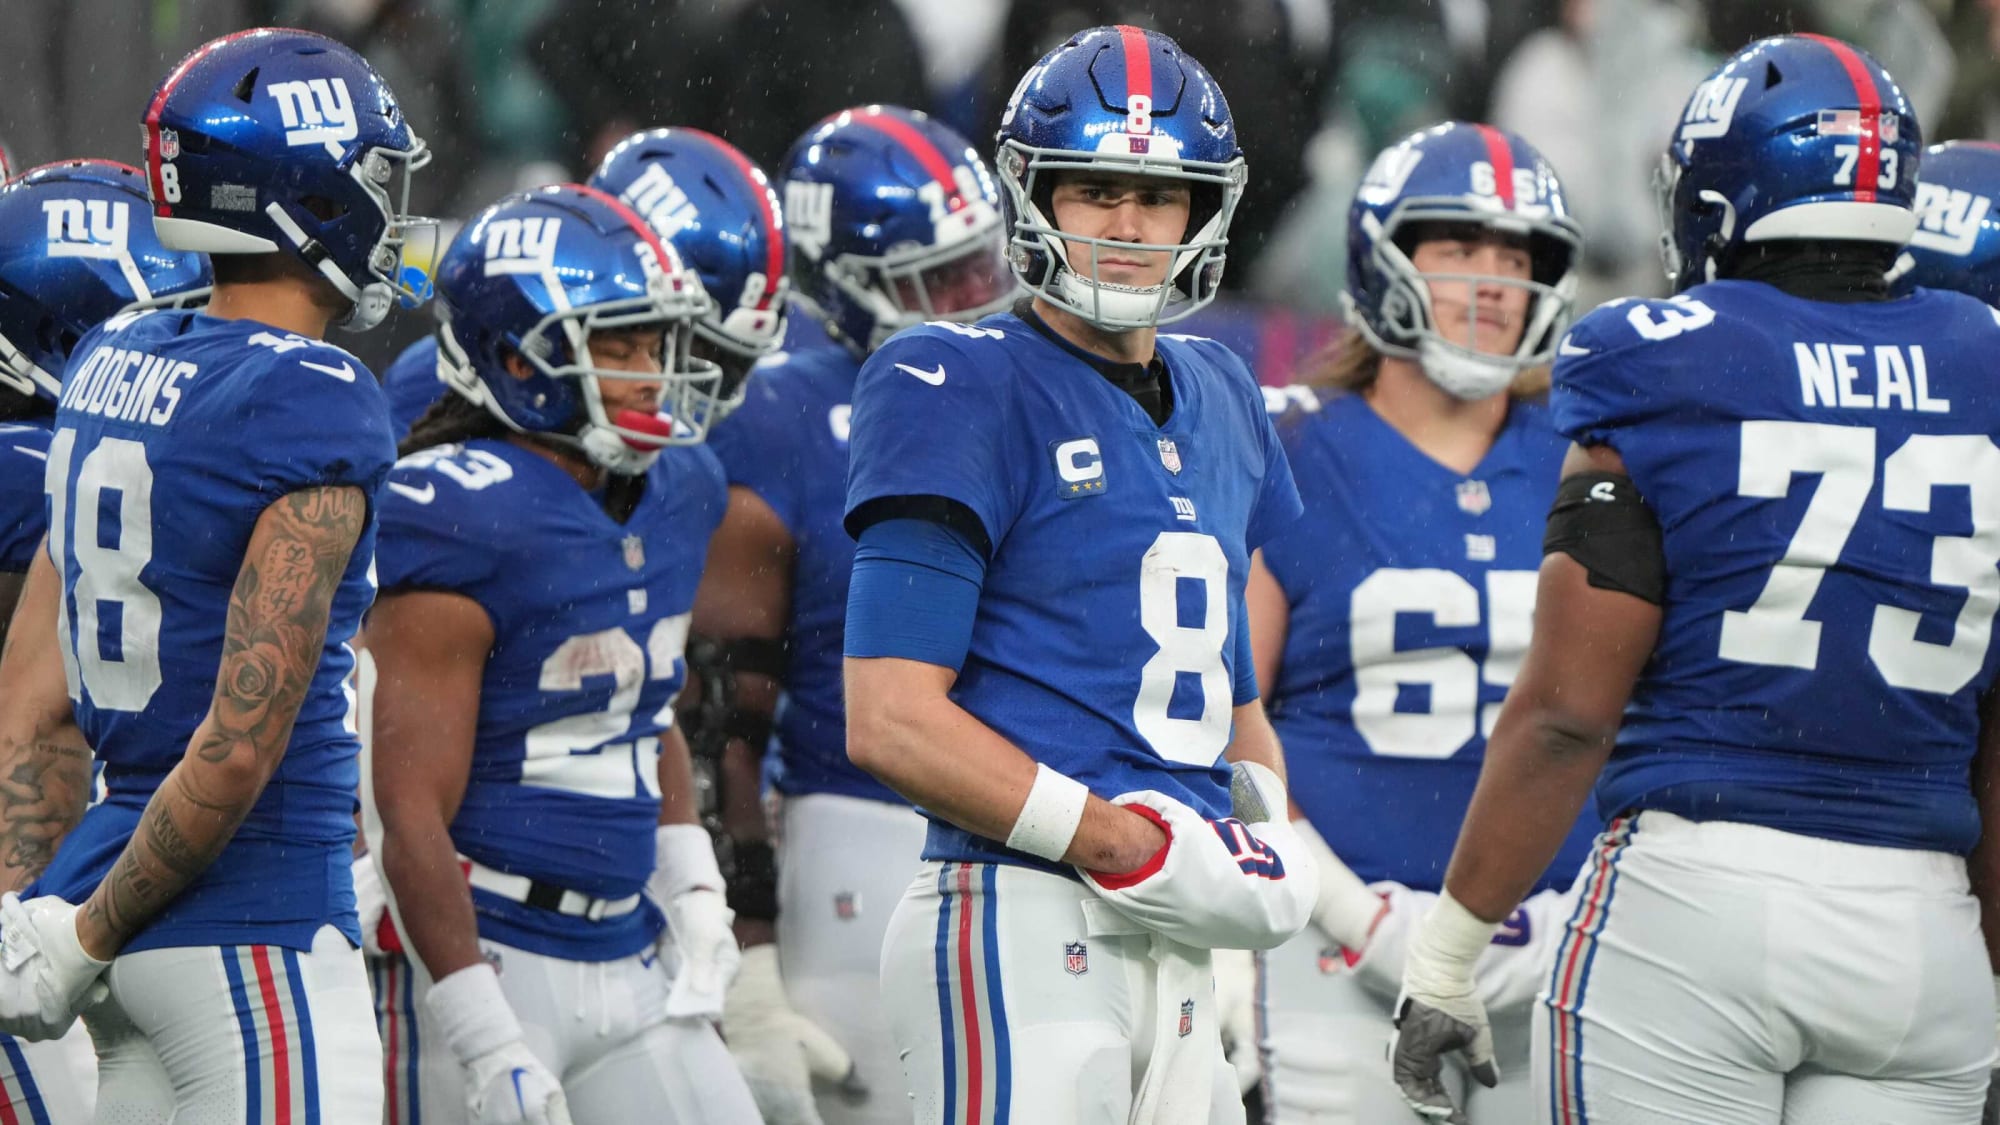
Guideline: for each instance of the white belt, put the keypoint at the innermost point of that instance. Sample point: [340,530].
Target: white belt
[548,896]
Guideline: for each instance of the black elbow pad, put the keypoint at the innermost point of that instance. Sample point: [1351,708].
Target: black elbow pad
[1601,521]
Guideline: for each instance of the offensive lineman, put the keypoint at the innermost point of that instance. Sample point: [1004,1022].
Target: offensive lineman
[894,220]
[202,911]
[541,543]
[1045,635]
[1766,619]
[1459,278]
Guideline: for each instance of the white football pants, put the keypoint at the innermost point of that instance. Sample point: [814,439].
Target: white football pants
[1324,1019]
[842,865]
[1728,974]
[601,1026]
[238,1035]
[52,1083]
[1018,996]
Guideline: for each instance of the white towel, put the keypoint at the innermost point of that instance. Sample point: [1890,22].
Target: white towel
[1177,1086]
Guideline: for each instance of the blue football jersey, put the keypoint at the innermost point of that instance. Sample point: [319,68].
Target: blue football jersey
[1411,590]
[788,444]
[1110,639]
[24,452]
[590,621]
[175,431]
[412,384]
[1829,488]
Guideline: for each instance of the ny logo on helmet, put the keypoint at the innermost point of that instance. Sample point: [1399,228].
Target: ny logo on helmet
[667,208]
[1712,108]
[521,245]
[87,228]
[315,110]
[1948,218]
[809,215]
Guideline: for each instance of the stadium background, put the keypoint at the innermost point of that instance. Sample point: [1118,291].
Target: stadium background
[514,93]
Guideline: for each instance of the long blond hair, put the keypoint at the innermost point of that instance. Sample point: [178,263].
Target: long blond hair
[1351,364]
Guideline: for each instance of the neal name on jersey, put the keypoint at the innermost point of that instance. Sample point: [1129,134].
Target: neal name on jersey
[1828,484]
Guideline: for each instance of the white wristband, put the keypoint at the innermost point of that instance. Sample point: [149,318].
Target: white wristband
[472,1012]
[683,860]
[1446,947]
[1049,817]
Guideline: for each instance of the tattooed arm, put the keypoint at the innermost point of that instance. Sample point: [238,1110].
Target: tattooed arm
[271,649]
[44,762]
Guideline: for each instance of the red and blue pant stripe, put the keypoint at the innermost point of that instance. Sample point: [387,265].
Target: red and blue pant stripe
[972,1009]
[1570,980]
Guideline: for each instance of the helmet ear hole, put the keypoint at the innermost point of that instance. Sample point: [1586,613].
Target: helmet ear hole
[322,208]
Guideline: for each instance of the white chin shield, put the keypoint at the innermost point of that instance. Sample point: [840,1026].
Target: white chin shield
[1465,375]
[613,454]
[1108,305]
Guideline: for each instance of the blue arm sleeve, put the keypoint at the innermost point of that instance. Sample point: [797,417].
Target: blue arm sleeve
[914,593]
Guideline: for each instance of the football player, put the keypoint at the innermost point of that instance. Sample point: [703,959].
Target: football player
[1045,637]
[211,482]
[541,542]
[1460,266]
[76,248]
[1763,629]
[871,254]
[1957,243]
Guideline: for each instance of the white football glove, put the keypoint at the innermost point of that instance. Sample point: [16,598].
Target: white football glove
[1236,1006]
[1218,884]
[1439,1011]
[780,1051]
[45,976]
[687,884]
[505,1084]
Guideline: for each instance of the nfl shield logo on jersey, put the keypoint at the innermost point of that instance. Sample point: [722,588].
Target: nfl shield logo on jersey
[844,906]
[1473,497]
[1170,455]
[635,552]
[1187,1018]
[1076,958]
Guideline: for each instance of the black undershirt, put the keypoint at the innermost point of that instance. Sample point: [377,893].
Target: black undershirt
[1147,383]
[1845,273]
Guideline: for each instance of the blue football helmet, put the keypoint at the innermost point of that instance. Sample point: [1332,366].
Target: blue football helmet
[76,248]
[1459,175]
[893,220]
[1119,100]
[719,210]
[278,140]
[534,275]
[1957,243]
[1795,137]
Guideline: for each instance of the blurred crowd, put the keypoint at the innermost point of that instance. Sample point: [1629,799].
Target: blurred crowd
[512,93]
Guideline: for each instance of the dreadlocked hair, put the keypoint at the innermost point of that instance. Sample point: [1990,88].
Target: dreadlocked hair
[451,419]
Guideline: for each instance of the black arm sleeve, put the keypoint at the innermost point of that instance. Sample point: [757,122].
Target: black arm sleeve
[1601,521]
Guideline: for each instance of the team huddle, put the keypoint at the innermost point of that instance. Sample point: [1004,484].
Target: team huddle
[1092,736]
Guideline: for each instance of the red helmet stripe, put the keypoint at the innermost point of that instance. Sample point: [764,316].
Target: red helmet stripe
[767,202]
[919,146]
[1138,63]
[159,104]
[1500,154]
[1867,169]
[661,254]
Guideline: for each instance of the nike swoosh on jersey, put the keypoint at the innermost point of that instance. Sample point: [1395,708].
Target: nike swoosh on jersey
[1567,348]
[37,454]
[344,372]
[934,378]
[422,495]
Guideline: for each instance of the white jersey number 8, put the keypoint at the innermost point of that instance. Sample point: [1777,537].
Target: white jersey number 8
[1196,650]
[106,578]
